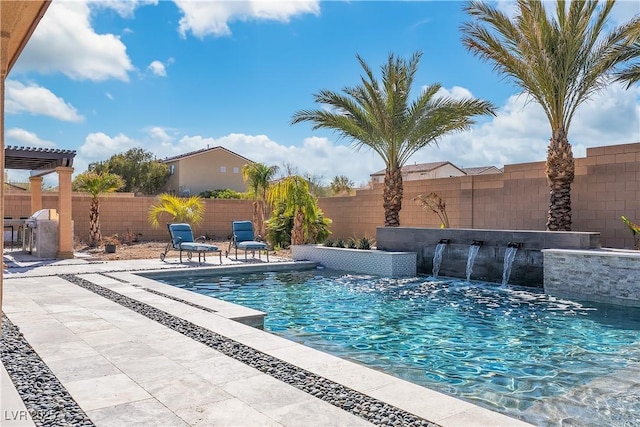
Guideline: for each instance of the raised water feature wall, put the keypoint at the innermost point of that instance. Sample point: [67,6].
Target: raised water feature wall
[489,261]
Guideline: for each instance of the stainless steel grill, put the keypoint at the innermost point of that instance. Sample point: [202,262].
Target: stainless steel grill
[40,233]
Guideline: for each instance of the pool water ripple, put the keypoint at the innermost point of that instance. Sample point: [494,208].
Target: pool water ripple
[511,349]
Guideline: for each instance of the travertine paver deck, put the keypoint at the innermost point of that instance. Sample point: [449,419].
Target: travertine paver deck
[123,368]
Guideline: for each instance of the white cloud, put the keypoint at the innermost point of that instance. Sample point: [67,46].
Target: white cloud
[21,137]
[519,133]
[100,146]
[213,18]
[157,68]
[124,8]
[65,42]
[37,100]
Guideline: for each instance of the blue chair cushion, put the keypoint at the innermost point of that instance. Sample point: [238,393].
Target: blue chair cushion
[198,247]
[251,244]
[180,233]
[243,231]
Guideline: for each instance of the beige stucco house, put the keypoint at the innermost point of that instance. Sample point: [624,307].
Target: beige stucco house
[207,169]
[433,170]
[422,171]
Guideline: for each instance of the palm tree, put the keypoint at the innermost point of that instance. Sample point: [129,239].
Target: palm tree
[560,60]
[258,177]
[180,209]
[631,74]
[379,115]
[293,194]
[96,184]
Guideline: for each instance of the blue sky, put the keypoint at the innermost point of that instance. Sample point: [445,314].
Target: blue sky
[175,76]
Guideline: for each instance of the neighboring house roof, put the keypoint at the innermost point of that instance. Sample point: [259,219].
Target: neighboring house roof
[420,167]
[198,152]
[481,170]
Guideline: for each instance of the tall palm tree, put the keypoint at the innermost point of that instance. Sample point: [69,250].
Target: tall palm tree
[180,209]
[379,115]
[258,177]
[96,184]
[293,193]
[558,59]
[631,74]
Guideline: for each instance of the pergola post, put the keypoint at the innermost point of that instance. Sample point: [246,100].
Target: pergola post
[65,221]
[35,185]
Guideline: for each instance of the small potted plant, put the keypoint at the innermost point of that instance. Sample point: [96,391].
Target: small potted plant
[110,244]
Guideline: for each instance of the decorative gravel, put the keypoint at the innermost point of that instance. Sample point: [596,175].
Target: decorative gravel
[366,407]
[46,399]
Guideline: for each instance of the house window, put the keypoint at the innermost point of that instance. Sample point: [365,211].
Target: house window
[236,170]
[223,169]
[172,169]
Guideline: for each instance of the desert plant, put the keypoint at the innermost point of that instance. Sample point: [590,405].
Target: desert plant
[635,231]
[352,243]
[434,203]
[339,243]
[180,209]
[328,243]
[365,243]
[96,184]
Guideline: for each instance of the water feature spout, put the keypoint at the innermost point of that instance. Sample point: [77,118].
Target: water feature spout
[471,258]
[509,257]
[437,256]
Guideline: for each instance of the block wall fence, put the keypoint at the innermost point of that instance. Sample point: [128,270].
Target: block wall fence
[606,186]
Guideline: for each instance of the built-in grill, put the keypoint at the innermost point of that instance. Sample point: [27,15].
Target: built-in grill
[40,233]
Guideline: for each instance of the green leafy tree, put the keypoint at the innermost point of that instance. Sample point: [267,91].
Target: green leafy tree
[560,60]
[96,184]
[179,209]
[141,172]
[292,196]
[258,177]
[341,185]
[379,115]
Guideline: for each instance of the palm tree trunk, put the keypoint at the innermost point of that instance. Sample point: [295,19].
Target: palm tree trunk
[297,232]
[392,197]
[94,222]
[560,171]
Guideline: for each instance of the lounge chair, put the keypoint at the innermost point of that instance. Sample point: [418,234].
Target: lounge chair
[182,240]
[244,239]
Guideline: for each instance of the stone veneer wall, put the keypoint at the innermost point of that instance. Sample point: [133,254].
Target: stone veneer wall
[600,276]
[388,264]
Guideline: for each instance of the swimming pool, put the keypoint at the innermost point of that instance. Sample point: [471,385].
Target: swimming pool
[515,350]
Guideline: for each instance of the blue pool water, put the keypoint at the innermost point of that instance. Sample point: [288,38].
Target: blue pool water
[516,350]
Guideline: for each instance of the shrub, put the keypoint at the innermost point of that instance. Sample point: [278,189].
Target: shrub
[351,243]
[365,243]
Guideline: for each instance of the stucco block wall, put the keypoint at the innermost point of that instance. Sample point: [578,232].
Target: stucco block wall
[606,186]
[122,213]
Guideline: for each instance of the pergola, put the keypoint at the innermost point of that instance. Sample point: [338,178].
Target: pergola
[43,161]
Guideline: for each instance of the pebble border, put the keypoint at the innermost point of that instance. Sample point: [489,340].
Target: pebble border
[47,400]
[352,401]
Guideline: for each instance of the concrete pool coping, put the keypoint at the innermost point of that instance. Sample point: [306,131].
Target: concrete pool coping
[90,342]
